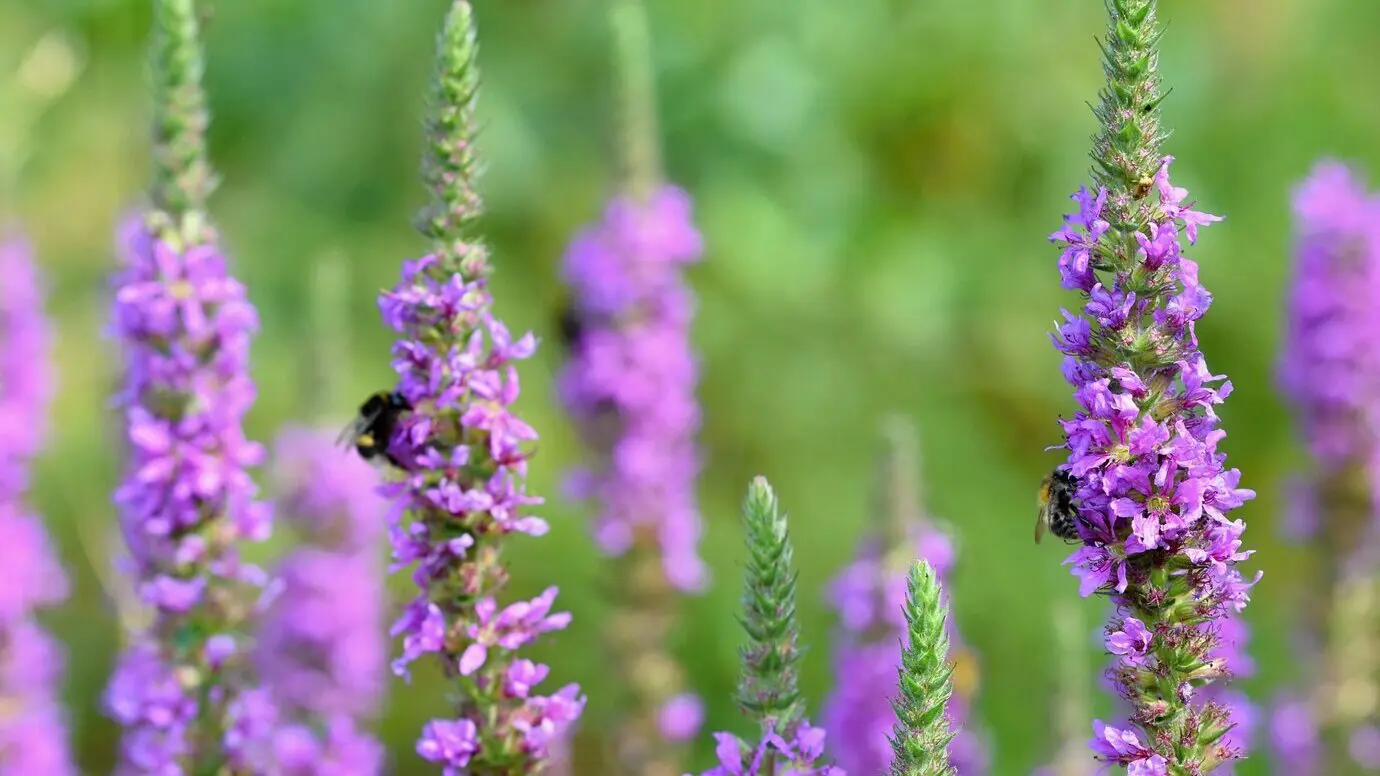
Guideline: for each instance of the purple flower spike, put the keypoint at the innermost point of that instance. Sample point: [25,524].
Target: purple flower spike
[465,452]
[630,386]
[631,368]
[187,501]
[1153,493]
[1331,358]
[33,730]
[1329,370]
[184,689]
[321,647]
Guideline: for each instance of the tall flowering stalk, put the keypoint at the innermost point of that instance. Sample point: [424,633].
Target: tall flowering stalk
[870,599]
[923,732]
[630,385]
[768,691]
[33,731]
[465,453]
[1329,370]
[183,689]
[1153,488]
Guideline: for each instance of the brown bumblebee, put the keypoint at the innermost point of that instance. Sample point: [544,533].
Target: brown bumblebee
[1058,514]
[371,430]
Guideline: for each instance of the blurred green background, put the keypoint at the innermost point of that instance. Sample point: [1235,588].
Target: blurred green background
[875,180]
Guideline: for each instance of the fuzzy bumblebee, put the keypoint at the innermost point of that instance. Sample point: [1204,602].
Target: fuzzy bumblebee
[372,429]
[1058,514]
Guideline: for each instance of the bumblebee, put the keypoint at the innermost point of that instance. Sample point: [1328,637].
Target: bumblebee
[372,429]
[1058,514]
[570,324]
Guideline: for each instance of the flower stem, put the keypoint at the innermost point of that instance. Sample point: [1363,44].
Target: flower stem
[639,157]
[183,178]
[450,164]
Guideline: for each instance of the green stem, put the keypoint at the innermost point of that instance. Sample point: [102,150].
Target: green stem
[450,164]
[639,157]
[182,175]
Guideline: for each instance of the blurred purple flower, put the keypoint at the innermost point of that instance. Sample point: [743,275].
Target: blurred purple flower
[187,501]
[321,649]
[869,596]
[335,748]
[681,717]
[26,365]
[33,730]
[1330,363]
[1329,370]
[1153,489]
[1364,747]
[630,386]
[631,367]
[1294,737]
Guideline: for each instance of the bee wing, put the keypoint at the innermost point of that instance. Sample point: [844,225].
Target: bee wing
[1042,516]
[351,432]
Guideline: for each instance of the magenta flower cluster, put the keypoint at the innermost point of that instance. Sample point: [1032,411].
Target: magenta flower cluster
[1329,371]
[631,368]
[187,501]
[321,646]
[33,730]
[466,486]
[1154,490]
[1330,361]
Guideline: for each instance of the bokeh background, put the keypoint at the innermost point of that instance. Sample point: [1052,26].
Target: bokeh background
[875,180]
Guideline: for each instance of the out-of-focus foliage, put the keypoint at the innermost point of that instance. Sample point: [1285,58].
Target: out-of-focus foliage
[875,180]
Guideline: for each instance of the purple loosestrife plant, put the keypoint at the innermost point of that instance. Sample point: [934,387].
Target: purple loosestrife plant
[870,599]
[631,372]
[768,691]
[1329,371]
[321,648]
[33,731]
[630,385]
[183,689]
[464,449]
[1153,488]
